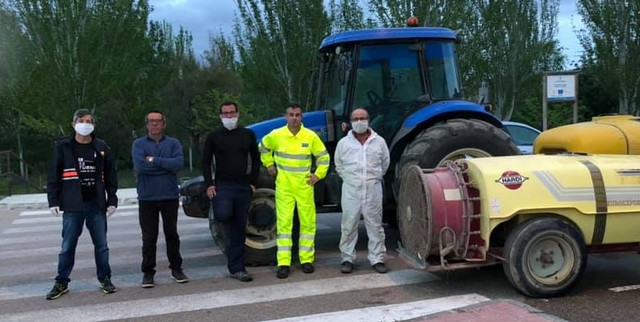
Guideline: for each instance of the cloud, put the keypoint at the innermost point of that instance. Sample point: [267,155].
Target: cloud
[568,22]
[200,17]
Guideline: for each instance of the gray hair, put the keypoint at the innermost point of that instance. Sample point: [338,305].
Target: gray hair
[81,113]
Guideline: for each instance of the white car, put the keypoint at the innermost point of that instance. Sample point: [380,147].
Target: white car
[522,135]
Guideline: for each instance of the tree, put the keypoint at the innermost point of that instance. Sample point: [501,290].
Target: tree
[435,13]
[519,45]
[90,54]
[278,42]
[348,15]
[13,64]
[611,45]
[221,53]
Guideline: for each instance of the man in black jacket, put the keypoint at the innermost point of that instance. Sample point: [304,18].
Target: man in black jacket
[237,164]
[82,183]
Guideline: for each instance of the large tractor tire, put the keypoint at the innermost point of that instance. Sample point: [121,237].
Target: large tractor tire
[452,140]
[544,257]
[260,243]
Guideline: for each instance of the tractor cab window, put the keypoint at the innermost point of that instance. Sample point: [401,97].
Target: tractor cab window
[337,68]
[388,82]
[442,70]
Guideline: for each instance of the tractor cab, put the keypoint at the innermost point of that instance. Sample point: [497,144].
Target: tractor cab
[391,74]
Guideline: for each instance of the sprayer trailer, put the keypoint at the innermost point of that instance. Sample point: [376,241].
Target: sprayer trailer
[537,215]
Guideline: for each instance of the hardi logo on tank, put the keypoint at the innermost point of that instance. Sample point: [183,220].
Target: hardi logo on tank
[512,180]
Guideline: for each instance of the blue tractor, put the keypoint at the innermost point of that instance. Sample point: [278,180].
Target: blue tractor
[408,80]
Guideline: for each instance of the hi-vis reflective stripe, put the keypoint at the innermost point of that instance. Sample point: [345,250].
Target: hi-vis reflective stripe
[322,162]
[293,156]
[323,153]
[307,236]
[294,169]
[69,174]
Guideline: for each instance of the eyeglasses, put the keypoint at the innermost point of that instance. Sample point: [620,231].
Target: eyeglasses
[359,119]
[228,113]
[155,121]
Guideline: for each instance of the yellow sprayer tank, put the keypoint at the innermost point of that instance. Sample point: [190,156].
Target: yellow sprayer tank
[615,134]
[538,215]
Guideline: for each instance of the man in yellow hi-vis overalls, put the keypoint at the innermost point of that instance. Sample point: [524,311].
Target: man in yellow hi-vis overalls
[290,149]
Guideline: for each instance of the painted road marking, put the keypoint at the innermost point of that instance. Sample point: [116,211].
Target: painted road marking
[112,223]
[393,312]
[218,299]
[625,288]
[121,281]
[47,212]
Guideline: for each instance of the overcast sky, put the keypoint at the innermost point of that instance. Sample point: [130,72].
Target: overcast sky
[204,17]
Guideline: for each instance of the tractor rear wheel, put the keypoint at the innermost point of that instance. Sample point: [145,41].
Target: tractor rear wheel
[260,243]
[452,140]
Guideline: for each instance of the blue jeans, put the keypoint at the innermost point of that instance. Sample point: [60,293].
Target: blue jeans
[231,207]
[72,222]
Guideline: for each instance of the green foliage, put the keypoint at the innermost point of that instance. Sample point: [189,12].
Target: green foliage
[515,51]
[59,55]
[278,42]
[435,13]
[611,43]
[221,53]
[348,15]
[597,97]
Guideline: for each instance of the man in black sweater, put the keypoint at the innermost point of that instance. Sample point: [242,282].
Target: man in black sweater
[234,151]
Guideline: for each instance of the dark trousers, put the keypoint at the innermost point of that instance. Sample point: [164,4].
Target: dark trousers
[148,214]
[231,206]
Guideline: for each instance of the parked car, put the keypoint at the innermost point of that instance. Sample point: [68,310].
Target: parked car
[523,135]
[609,134]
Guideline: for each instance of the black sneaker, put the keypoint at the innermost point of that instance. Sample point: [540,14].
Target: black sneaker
[106,286]
[307,268]
[179,276]
[147,280]
[59,289]
[283,272]
[347,267]
[380,268]
[242,276]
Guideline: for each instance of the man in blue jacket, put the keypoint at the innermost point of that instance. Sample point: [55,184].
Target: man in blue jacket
[82,183]
[157,158]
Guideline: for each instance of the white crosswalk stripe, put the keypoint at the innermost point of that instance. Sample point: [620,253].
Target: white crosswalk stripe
[31,243]
[395,312]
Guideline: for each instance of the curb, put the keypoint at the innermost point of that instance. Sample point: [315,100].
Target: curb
[127,196]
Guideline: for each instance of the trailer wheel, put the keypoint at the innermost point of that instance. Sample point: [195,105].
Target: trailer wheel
[260,243]
[544,257]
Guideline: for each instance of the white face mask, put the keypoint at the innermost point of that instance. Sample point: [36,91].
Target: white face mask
[83,129]
[360,126]
[230,123]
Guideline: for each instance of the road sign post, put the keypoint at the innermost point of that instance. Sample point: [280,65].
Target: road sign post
[559,87]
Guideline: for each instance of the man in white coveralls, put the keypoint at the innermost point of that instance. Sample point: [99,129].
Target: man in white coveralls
[361,159]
